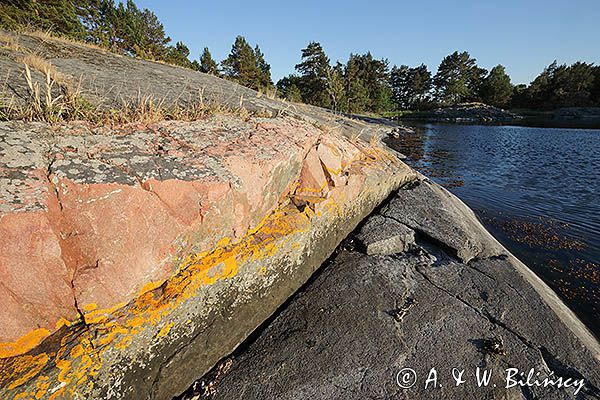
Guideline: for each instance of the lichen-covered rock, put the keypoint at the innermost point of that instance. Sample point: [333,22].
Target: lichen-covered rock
[129,255]
[115,212]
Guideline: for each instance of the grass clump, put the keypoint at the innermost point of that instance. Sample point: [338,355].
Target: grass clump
[51,101]
[56,99]
[44,66]
[9,42]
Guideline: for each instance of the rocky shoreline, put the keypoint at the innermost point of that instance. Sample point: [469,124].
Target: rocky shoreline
[134,249]
[479,113]
[137,255]
[445,296]
[466,113]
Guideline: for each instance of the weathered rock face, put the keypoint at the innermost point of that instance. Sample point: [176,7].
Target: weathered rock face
[129,255]
[113,213]
[364,318]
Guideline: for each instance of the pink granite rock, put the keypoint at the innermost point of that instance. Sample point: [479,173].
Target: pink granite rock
[313,182]
[35,283]
[117,211]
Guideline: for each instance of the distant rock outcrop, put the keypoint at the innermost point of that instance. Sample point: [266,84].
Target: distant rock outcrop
[577,114]
[470,113]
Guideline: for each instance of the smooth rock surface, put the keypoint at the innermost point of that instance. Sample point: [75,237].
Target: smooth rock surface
[432,210]
[112,81]
[364,318]
[385,236]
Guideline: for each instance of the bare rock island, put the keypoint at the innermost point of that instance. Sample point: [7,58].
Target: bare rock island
[134,257]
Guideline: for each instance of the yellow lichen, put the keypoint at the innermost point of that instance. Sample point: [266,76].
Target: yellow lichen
[24,343]
[34,364]
[165,330]
[117,326]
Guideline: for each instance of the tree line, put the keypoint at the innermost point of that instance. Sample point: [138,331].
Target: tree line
[365,83]
[362,84]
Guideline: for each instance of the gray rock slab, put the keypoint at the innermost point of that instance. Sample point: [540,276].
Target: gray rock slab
[109,81]
[345,337]
[432,210]
[385,236]
[365,318]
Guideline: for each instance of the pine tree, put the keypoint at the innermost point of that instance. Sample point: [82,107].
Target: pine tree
[401,90]
[58,16]
[207,64]
[458,79]
[313,69]
[335,87]
[264,75]
[595,90]
[563,86]
[377,79]
[154,39]
[247,66]
[178,55]
[121,27]
[289,88]
[357,94]
[575,85]
[496,88]
[421,84]
[540,89]
[195,65]
[368,84]
[519,98]
[240,65]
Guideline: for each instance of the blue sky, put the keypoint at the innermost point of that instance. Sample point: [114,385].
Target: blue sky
[523,35]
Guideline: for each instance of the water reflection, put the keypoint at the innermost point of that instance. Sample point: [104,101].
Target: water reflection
[535,189]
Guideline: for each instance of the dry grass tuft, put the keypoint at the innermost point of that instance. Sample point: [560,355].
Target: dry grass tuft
[9,42]
[375,140]
[47,100]
[355,137]
[45,67]
[271,93]
[148,109]
[50,36]
[53,102]
[50,100]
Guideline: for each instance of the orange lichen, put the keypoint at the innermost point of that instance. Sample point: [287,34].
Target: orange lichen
[116,327]
[165,330]
[62,322]
[24,343]
[34,364]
